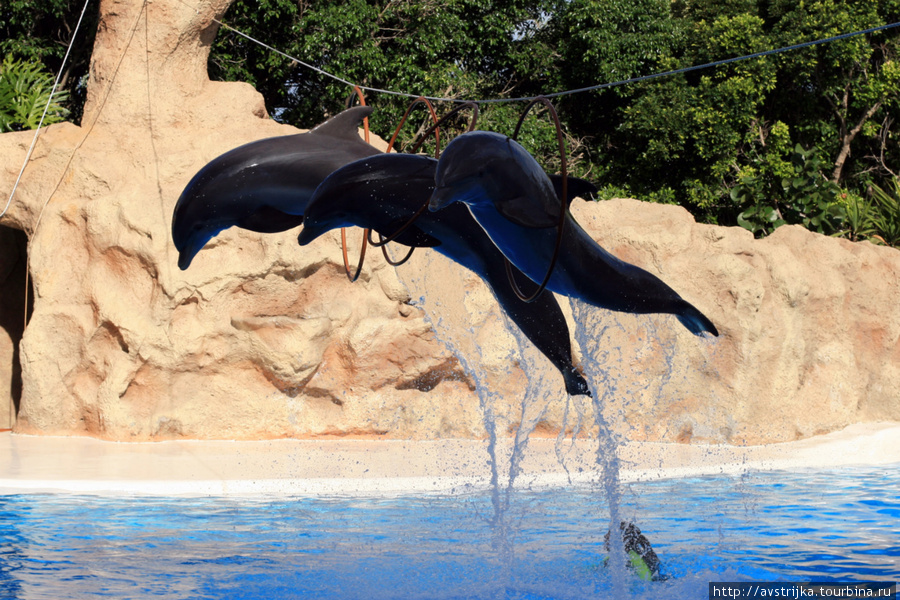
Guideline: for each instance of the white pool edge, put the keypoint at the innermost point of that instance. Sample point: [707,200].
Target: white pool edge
[62,465]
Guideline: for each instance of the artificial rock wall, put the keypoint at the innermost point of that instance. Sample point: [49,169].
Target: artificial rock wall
[261,338]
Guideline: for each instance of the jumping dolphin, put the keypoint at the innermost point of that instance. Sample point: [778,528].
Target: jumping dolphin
[382,192]
[512,199]
[264,185]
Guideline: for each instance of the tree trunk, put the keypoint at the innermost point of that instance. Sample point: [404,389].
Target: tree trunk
[847,139]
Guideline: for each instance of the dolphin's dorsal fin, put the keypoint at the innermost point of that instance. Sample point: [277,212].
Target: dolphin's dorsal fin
[344,125]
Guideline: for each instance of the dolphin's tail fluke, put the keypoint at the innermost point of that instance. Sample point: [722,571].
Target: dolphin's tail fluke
[695,321]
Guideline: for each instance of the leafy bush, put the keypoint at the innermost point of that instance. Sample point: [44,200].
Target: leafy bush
[800,194]
[859,214]
[884,220]
[25,88]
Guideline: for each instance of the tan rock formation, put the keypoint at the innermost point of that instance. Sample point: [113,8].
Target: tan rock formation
[262,338]
[810,329]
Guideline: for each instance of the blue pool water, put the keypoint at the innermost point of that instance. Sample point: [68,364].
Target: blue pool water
[841,525]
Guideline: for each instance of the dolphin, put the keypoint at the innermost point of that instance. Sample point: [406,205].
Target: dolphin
[512,199]
[382,192]
[264,186]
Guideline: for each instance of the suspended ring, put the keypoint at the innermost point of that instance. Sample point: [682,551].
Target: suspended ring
[362,252]
[387,257]
[562,204]
[424,206]
[435,130]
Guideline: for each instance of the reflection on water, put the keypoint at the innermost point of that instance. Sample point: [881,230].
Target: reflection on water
[839,525]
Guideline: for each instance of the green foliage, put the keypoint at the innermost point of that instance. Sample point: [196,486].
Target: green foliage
[797,137]
[24,92]
[460,49]
[859,215]
[884,220]
[876,219]
[697,137]
[39,31]
[794,193]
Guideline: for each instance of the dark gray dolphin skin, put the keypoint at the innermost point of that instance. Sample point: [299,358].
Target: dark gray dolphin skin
[512,199]
[382,192]
[264,185]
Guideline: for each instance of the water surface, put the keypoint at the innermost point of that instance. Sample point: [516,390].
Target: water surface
[840,525]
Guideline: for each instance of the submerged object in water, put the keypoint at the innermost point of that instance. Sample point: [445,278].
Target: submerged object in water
[264,186]
[510,196]
[382,192]
[641,557]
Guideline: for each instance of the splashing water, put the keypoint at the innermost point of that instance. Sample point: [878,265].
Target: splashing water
[625,379]
[487,350]
[591,333]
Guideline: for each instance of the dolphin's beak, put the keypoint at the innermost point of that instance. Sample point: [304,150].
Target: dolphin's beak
[442,197]
[184,259]
[187,253]
[308,233]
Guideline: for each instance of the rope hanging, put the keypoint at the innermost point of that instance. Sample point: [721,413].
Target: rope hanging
[600,86]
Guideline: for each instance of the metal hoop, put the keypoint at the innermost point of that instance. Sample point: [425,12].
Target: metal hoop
[387,257]
[562,204]
[440,122]
[435,130]
[424,206]
[362,252]
[362,255]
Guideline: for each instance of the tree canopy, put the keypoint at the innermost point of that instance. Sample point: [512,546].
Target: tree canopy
[807,136]
[39,31]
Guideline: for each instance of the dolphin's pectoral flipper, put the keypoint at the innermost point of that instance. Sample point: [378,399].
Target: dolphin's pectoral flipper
[516,209]
[413,236]
[520,209]
[270,220]
[542,322]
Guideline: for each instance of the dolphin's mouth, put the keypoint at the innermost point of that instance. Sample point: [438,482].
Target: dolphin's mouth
[189,251]
[184,260]
[468,191]
[308,233]
[440,198]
